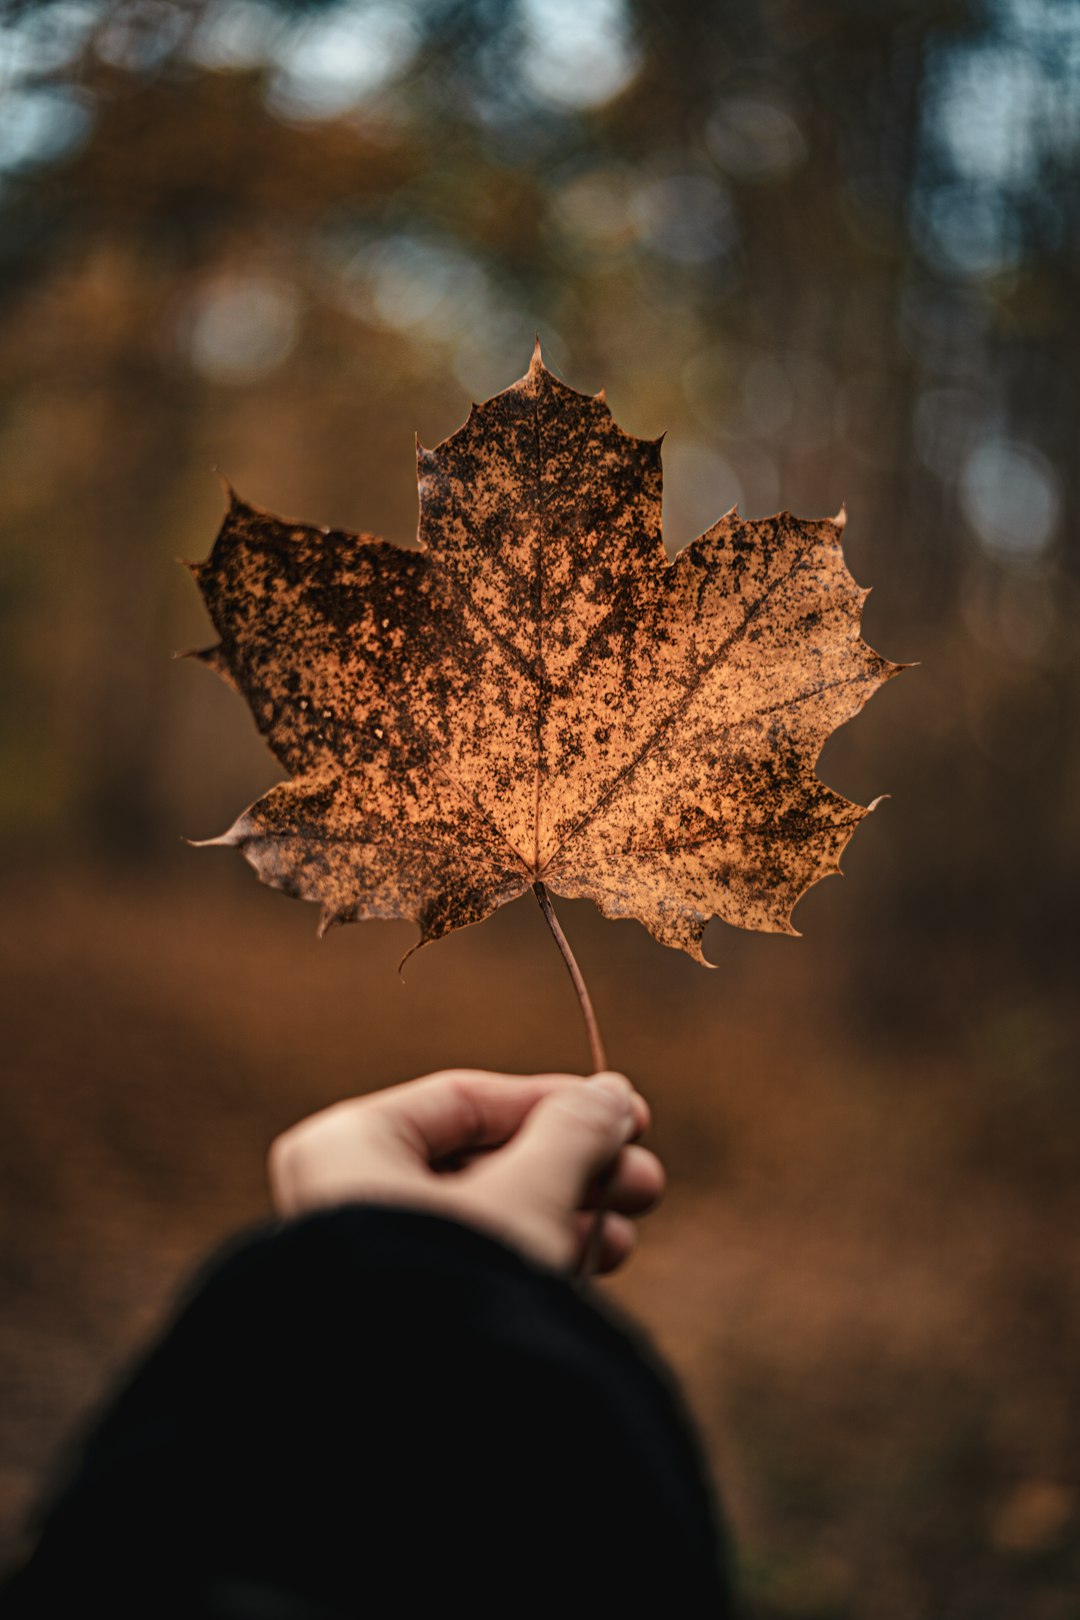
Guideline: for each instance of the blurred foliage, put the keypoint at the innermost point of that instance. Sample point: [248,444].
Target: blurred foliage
[832,249]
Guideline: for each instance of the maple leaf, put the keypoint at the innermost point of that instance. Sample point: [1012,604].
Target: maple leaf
[537,696]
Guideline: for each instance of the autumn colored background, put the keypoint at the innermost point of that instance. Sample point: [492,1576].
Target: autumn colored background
[831,248]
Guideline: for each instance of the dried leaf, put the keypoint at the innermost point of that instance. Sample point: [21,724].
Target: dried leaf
[537,693]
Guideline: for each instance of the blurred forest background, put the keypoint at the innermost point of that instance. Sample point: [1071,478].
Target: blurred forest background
[832,248]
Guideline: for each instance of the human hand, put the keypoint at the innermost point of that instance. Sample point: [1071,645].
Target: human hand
[524,1157]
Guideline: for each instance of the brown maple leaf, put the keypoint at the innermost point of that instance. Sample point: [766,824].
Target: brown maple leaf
[537,696]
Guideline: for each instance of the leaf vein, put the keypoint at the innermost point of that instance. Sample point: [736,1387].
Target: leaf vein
[664,726]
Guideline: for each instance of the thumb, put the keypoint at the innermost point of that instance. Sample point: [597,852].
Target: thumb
[567,1139]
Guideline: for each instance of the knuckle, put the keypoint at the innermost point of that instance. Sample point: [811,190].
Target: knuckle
[281,1151]
[596,1111]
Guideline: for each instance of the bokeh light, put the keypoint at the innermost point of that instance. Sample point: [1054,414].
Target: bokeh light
[329,63]
[755,138]
[685,217]
[1011,496]
[235,35]
[577,53]
[39,126]
[699,486]
[241,327]
[410,283]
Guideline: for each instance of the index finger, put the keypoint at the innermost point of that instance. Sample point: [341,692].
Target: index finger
[460,1109]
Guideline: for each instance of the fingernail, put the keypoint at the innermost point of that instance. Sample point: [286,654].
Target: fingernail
[616,1085]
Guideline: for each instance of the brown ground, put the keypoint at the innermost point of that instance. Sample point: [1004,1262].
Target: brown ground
[867,1270]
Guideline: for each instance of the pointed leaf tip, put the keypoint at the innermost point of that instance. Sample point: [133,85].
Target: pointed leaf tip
[240,829]
[328,919]
[236,503]
[409,954]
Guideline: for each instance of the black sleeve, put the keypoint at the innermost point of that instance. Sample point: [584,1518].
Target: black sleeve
[376,1412]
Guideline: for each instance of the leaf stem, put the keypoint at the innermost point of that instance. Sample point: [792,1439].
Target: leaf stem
[592,1028]
[590,1259]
